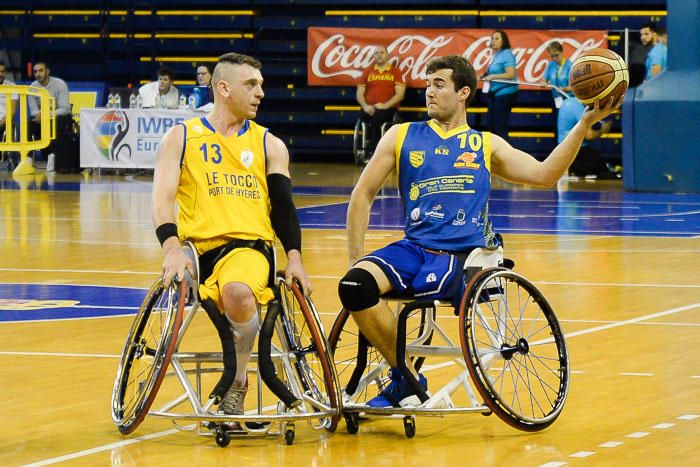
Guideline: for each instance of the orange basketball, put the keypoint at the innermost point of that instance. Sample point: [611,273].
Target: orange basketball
[599,74]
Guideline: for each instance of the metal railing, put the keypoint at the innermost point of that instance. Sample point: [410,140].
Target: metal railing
[20,140]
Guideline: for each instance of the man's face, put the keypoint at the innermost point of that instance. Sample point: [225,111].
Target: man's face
[440,96]
[646,36]
[380,56]
[241,89]
[41,73]
[164,83]
[203,76]
[2,73]
[555,55]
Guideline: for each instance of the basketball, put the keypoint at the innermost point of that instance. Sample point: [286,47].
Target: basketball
[599,74]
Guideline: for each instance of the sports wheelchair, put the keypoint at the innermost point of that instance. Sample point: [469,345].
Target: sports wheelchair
[509,347]
[360,138]
[294,379]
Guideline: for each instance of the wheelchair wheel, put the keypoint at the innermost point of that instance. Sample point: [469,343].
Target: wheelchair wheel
[344,339]
[147,353]
[514,349]
[359,143]
[314,366]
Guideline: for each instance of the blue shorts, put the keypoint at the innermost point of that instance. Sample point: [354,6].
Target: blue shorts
[415,271]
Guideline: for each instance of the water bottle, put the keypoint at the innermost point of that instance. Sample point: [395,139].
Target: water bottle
[182,102]
[110,101]
[139,102]
[132,101]
[117,101]
[192,102]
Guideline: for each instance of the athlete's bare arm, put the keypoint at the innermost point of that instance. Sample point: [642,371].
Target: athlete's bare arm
[166,179]
[380,166]
[520,167]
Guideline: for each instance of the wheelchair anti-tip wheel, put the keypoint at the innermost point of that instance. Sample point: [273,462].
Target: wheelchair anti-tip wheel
[344,340]
[313,363]
[359,142]
[514,349]
[147,353]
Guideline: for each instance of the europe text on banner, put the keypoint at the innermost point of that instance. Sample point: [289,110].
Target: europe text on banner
[338,56]
[125,138]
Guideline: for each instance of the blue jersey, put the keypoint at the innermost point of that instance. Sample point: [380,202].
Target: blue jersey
[502,60]
[656,56]
[570,113]
[444,182]
[558,75]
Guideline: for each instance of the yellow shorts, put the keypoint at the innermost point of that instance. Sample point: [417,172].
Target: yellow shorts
[243,265]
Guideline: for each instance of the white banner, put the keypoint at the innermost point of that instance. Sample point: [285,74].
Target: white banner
[125,138]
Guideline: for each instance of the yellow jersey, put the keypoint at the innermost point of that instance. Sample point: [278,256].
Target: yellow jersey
[223,191]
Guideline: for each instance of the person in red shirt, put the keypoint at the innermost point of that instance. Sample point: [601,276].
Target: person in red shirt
[379,93]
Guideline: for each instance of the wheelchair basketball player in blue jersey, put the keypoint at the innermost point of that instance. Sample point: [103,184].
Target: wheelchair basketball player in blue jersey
[444,169]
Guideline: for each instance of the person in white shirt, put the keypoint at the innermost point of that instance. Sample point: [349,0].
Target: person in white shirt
[161,93]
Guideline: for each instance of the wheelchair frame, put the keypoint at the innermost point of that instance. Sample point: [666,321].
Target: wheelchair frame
[496,325]
[359,138]
[308,390]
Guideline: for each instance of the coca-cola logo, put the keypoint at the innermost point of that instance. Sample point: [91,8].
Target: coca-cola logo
[340,56]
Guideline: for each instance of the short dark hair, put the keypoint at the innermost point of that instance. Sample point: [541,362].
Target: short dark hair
[2,63]
[234,58]
[463,73]
[166,71]
[504,36]
[205,65]
[650,25]
[555,46]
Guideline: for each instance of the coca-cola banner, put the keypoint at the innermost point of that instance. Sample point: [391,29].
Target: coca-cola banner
[337,56]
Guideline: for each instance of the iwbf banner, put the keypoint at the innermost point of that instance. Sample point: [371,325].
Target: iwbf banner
[338,56]
[125,138]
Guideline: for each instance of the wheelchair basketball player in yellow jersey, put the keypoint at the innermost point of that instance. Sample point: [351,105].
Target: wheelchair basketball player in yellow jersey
[230,180]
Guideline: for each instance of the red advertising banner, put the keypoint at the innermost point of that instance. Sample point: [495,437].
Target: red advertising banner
[338,56]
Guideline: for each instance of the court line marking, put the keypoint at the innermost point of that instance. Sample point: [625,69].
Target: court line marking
[59,354]
[611,444]
[106,447]
[637,374]
[634,435]
[663,426]
[577,333]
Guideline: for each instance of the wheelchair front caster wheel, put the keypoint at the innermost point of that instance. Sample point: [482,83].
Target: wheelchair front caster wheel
[352,420]
[222,437]
[409,426]
[289,435]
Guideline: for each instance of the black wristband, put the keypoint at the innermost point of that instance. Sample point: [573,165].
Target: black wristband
[165,231]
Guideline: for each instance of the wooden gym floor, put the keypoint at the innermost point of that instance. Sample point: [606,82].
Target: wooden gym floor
[619,269]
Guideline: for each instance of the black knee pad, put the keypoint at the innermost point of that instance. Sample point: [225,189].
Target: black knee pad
[358,290]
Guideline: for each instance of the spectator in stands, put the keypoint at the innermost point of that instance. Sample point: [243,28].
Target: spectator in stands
[203,91]
[663,37]
[500,96]
[379,93]
[160,94]
[61,154]
[7,109]
[557,73]
[656,58]
[588,161]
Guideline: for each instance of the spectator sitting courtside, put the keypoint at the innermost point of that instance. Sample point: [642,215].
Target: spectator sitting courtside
[161,93]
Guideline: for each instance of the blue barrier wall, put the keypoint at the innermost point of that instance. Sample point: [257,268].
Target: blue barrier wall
[663,119]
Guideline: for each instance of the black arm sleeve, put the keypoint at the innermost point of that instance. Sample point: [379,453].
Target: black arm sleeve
[283,214]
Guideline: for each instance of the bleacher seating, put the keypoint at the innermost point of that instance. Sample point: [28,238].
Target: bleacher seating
[123,42]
